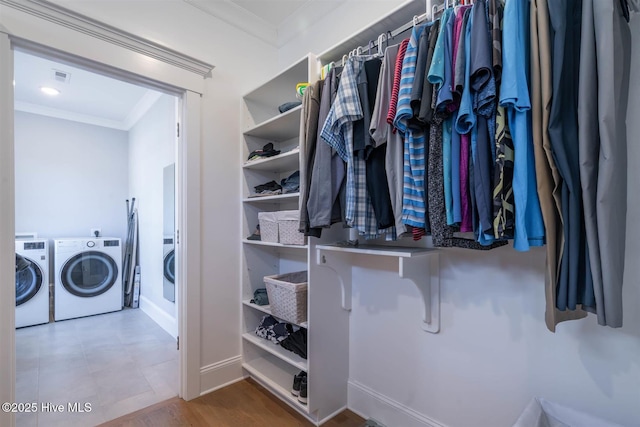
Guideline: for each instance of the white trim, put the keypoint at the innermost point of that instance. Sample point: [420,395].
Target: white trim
[56,113]
[188,244]
[164,79]
[7,233]
[83,24]
[158,315]
[364,400]
[221,374]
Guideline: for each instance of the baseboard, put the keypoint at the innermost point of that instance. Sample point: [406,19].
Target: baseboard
[158,315]
[220,374]
[369,403]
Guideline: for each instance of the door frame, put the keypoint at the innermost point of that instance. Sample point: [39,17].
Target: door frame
[167,77]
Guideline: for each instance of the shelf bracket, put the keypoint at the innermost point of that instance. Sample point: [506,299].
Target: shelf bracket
[336,263]
[424,272]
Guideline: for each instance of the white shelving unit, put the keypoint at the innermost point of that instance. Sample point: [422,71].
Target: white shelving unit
[272,365]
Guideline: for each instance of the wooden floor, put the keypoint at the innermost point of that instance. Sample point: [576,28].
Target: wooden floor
[243,404]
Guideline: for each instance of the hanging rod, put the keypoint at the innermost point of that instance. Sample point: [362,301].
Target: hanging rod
[418,19]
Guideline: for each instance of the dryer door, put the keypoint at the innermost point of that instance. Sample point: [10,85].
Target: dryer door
[28,282]
[169,266]
[89,274]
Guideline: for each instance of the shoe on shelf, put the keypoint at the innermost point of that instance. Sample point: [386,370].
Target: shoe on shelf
[297,381]
[256,234]
[302,397]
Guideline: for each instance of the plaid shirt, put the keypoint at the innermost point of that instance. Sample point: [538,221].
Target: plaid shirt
[337,131]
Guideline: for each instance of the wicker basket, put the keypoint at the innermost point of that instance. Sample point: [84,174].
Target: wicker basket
[288,296]
[268,226]
[288,224]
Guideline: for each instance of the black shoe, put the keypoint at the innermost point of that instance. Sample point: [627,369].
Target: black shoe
[297,381]
[302,397]
[256,234]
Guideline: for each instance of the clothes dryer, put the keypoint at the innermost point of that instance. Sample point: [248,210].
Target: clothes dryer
[32,283]
[88,278]
[168,268]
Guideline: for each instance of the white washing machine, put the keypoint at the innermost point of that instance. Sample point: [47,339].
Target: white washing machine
[168,269]
[88,276]
[32,283]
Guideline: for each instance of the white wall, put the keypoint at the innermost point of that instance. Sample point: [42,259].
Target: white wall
[348,18]
[494,352]
[152,146]
[70,177]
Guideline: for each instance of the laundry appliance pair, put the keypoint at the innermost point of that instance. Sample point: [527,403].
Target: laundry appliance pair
[87,279]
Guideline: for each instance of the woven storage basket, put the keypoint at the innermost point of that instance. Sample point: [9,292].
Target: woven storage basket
[268,226]
[288,296]
[288,224]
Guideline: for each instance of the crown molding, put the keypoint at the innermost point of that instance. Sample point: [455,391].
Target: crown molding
[83,24]
[56,113]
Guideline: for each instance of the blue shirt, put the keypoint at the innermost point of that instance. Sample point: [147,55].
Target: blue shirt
[514,96]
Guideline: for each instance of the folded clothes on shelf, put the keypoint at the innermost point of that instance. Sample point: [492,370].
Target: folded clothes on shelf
[288,106]
[291,184]
[270,188]
[267,151]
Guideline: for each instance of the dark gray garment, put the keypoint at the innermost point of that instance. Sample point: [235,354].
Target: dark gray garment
[323,203]
[426,107]
[308,139]
[421,70]
[482,182]
[575,284]
[481,50]
[603,96]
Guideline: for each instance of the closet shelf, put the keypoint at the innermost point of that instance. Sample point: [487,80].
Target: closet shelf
[275,245]
[280,352]
[418,265]
[268,383]
[287,161]
[267,309]
[279,128]
[272,199]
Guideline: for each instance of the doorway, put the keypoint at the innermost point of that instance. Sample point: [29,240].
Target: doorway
[63,154]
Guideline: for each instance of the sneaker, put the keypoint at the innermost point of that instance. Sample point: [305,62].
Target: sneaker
[256,234]
[297,381]
[302,397]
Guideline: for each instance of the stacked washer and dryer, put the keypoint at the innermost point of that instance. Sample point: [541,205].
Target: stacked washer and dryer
[87,279]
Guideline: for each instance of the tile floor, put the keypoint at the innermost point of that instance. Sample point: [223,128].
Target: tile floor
[118,362]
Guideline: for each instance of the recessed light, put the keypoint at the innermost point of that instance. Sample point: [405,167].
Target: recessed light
[50,91]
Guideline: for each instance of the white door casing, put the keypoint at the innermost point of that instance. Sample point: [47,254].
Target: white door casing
[51,31]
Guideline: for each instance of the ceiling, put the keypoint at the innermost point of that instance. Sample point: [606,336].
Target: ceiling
[92,98]
[84,96]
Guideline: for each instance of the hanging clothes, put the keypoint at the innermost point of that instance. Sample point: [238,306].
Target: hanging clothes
[382,133]
[338,132]
[575,284]
[602,102]
[307,143]
[414,206]
[514,96]
[546,171]
[323,205]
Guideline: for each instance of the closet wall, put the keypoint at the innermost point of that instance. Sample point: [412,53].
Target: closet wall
[152,146]
[494,352]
